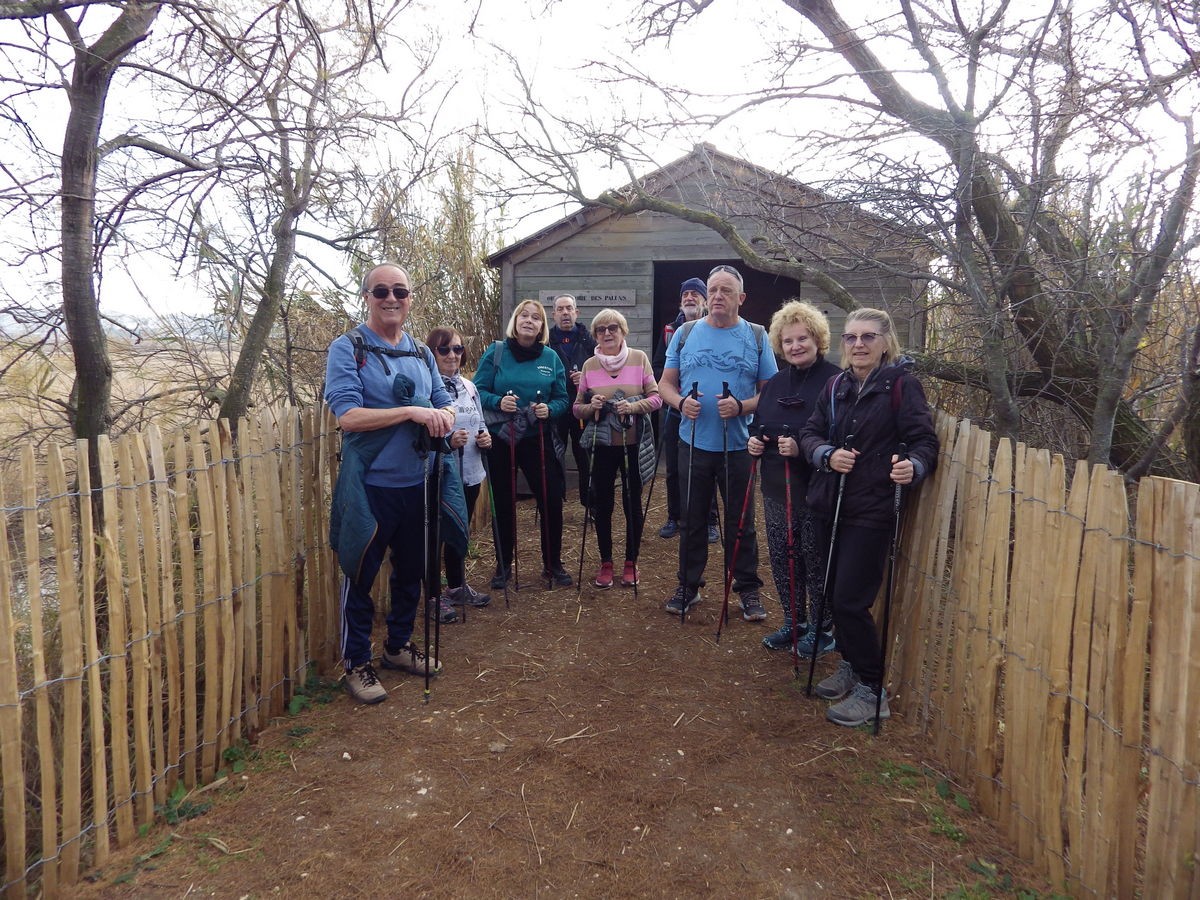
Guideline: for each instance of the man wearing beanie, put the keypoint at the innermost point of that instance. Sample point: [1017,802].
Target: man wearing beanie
[693,294]
[574,345]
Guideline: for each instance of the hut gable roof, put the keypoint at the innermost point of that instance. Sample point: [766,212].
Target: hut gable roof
[784,217]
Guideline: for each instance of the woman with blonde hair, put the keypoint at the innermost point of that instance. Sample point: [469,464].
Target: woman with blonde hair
[799,335]
[617,393]
[522,386]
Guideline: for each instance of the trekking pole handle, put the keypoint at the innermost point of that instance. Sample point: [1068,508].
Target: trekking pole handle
[902,450]
[725,389]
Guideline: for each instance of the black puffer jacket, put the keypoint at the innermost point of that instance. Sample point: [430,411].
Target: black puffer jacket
[888,410]
[799,390]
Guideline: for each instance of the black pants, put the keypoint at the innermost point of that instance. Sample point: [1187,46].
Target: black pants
[707,479]
[529,456]
[570,432]
[605,467]
[859,557]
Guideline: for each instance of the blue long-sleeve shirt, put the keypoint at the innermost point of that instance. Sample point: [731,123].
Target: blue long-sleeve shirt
[371,386]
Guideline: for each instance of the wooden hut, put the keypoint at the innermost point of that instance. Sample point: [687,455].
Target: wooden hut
[636,263]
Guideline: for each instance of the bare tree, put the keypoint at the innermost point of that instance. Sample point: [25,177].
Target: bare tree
[1016,137]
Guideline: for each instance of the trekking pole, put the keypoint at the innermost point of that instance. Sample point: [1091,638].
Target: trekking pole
[725,468]
[829,571]
[791,554]
[684,544]
[422,447]
[587,513]
[641,526]
[512,467]
[901,453]
[723,619]
[435,579]
[545,504]
[487,472]
[627,505]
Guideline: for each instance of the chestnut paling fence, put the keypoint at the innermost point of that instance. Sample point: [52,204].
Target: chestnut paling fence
[1044,636]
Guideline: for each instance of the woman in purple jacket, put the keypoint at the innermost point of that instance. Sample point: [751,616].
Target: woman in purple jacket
[855,433]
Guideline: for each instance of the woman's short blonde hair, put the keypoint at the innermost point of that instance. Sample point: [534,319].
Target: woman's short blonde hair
[797,312]
[887,331]
[607,317]
[511,330]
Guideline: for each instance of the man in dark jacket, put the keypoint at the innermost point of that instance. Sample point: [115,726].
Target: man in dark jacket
[574,346]
[693,294]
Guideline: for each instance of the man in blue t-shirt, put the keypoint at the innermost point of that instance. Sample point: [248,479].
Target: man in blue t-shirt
[722,348]
[390,402]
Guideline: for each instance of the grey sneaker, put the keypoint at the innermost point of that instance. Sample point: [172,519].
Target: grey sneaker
[445,612]
[752,608]
[465,595]
[839,684]
[681,600]
[363,684]
[409,659]
[858,708]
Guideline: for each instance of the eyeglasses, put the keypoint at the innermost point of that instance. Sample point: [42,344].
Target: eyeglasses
[607,329]
[446,349]
[381,291]
[867,337]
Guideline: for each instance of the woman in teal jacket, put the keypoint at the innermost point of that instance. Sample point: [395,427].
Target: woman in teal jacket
[522,386]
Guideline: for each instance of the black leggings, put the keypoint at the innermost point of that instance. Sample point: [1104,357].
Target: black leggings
[529,457]
[605,466]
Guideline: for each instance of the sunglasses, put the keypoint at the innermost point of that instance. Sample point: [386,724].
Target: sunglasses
[381,291]
[867,337]
[727,269]
[608,329]
[446,349]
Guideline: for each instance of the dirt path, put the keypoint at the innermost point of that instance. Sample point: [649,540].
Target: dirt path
[607,751]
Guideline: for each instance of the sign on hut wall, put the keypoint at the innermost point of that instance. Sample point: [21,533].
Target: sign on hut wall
[600,297]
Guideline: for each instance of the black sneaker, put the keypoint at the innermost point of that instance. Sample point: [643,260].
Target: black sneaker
[752,608]
[500,579]
[559,576]
[780,639]
[681,600]
[669,530]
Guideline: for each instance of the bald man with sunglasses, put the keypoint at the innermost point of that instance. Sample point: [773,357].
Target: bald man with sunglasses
[379,501]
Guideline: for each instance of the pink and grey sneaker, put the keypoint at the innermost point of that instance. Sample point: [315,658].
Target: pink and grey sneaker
[629,574]
[604,576]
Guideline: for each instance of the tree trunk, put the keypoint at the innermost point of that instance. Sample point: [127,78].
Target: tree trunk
[88,92]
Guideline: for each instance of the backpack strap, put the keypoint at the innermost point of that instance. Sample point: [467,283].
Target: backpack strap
[362,348]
